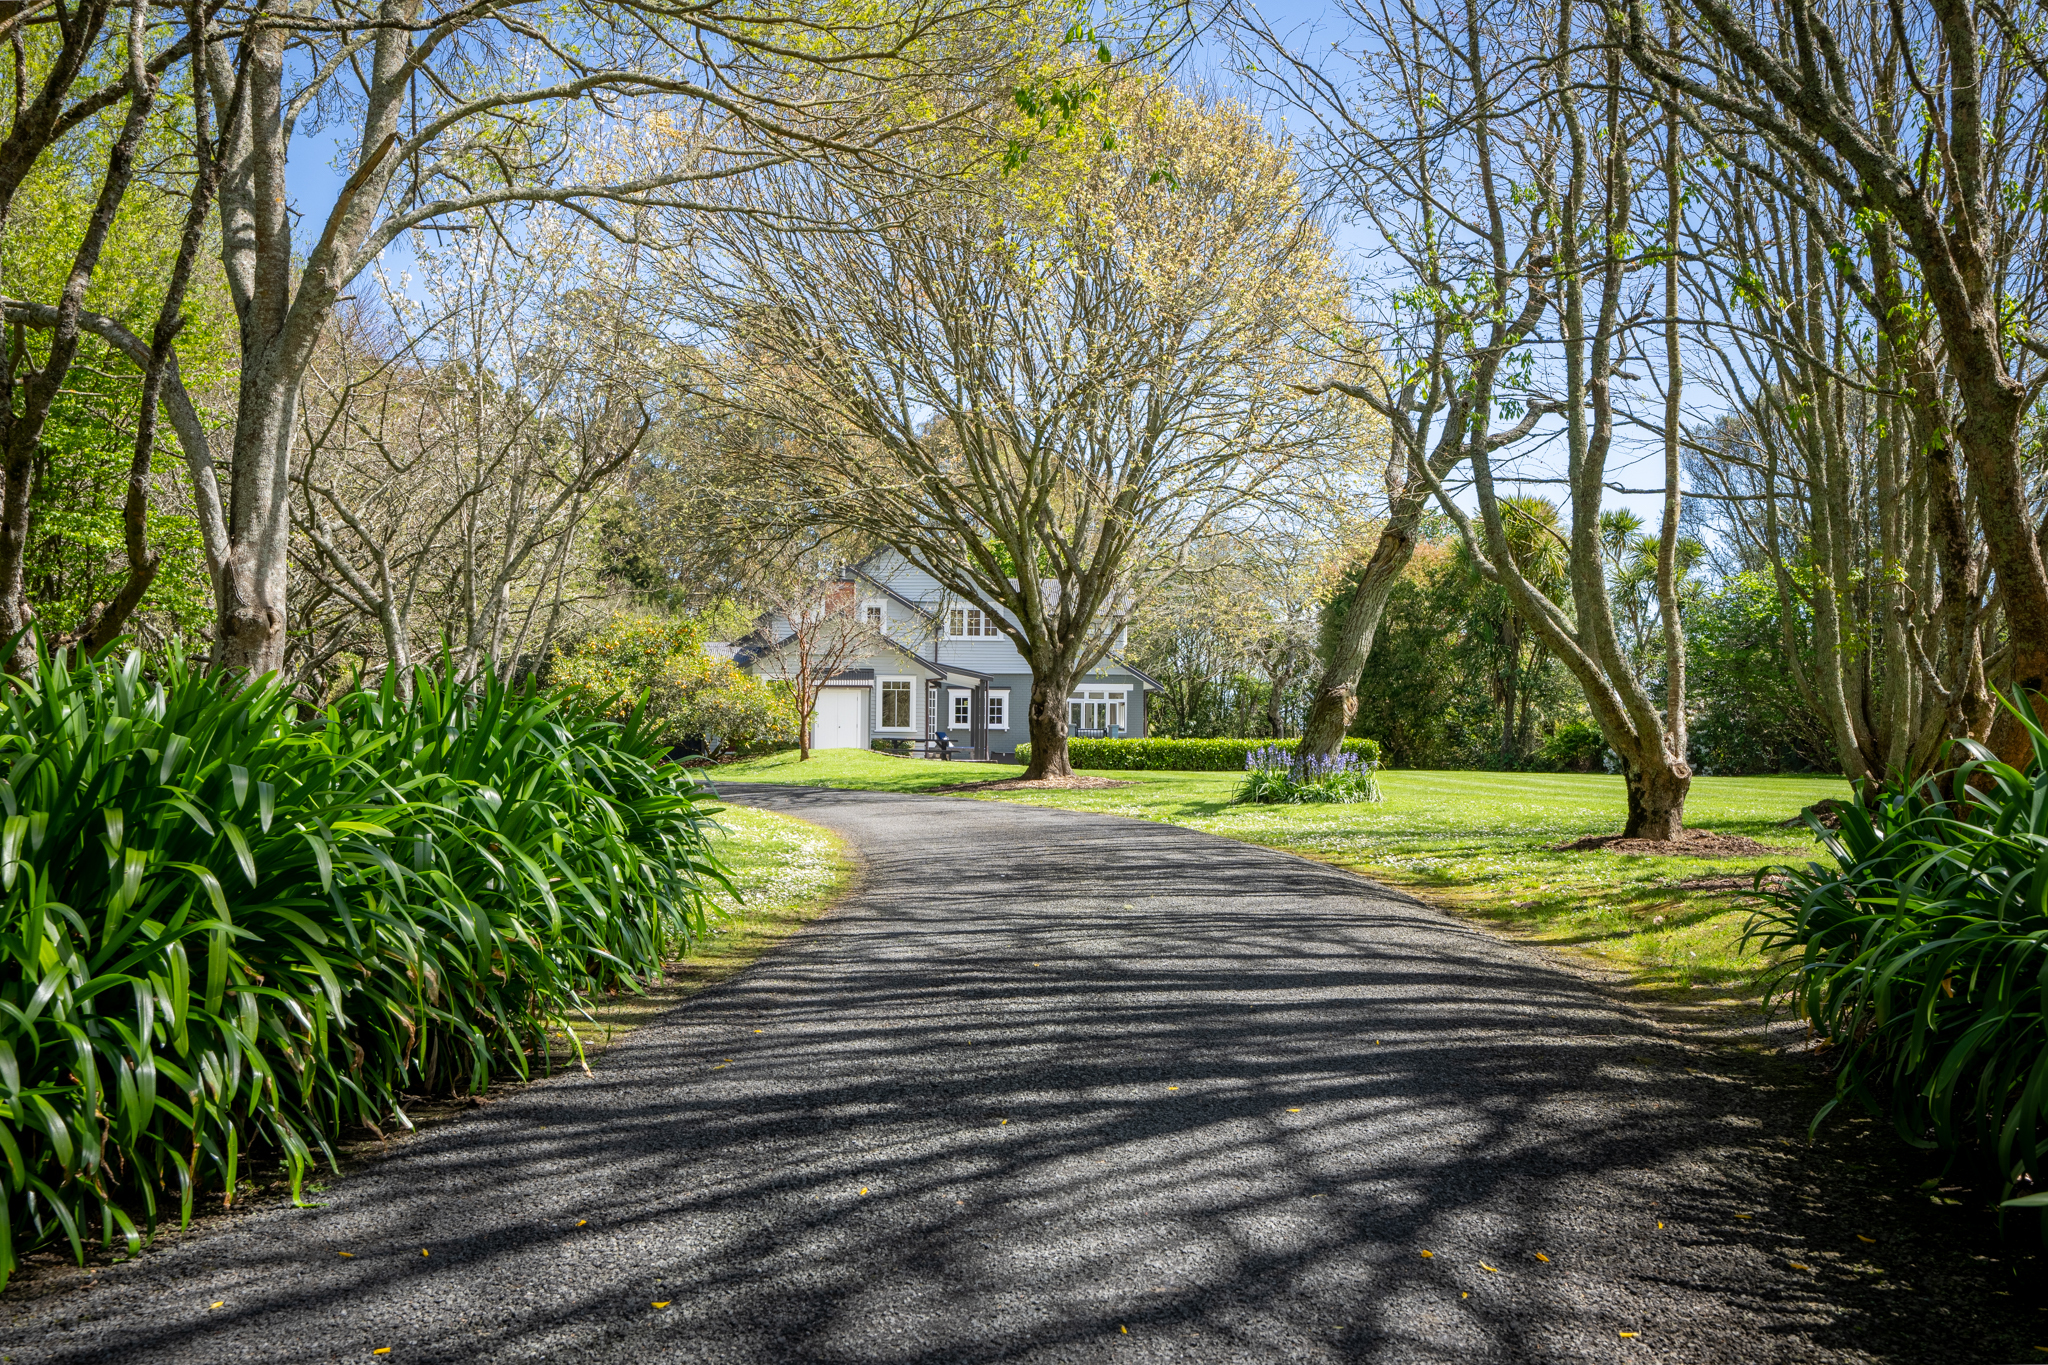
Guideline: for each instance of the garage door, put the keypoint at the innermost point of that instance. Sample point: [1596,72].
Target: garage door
[842,719]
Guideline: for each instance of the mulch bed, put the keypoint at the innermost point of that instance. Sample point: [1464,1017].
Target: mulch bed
[1010,784]
[1828,812]
[1693,843]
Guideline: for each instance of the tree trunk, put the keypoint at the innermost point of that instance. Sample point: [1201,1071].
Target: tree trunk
[1656,801]
[1510,686]
[1048,719]
[1336,701]
[251,592]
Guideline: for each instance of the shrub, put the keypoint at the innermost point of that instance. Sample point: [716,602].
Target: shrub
[1274,776]
[1921,956]
[1184,755]
[226,930]
[1576,746]
[659,663]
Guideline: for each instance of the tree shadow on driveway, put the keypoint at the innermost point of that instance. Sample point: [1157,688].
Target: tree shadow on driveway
[1068,1087]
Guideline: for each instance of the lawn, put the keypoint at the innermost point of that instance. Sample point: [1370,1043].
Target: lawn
[787,873]
[1478,843]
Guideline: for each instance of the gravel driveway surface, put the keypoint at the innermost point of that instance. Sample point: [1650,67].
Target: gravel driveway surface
[1063,1087]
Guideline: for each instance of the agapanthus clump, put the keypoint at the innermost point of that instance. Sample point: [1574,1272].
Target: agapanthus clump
[1275,776]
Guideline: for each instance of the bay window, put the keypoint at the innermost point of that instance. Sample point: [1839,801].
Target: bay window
[1096,710]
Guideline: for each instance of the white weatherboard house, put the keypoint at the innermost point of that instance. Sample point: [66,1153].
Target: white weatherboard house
[939,667]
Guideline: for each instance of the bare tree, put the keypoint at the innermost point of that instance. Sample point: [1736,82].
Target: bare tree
[456,118]
[1926,125]
[814,630]
[1495,152]
[1427,353]
[1042,392]
[452,455]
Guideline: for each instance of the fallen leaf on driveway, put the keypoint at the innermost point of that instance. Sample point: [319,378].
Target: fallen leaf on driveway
[664,1303]
[1541,1257]
[211,1306]
[1861,1238]
[1628,1334]
[349,1255]
[1484,1266]
[1427,1254]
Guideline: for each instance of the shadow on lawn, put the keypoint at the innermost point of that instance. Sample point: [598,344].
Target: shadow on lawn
[1107,1087]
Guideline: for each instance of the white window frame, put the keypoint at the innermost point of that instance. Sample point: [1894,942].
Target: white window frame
[881,610]
[1103,695]
[958,700]
[999,708]
[970,623]
[882,705]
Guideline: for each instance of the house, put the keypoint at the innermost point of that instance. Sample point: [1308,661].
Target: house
[935,665]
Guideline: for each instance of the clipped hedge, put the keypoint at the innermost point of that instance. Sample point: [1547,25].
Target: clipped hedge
[1184,755]
[225,930]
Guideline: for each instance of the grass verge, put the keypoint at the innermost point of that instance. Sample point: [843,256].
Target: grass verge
[787,871]
[1477,843]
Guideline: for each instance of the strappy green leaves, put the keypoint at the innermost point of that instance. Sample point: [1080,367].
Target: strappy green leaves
[229,928]
[1921,955]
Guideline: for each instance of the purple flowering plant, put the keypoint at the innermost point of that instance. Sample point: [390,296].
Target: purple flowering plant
[1276,776]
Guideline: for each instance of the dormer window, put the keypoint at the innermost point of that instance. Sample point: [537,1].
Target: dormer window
[874,614]
[964,623]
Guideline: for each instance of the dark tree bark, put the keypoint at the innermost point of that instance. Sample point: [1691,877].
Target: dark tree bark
[1050,686]
[105,623]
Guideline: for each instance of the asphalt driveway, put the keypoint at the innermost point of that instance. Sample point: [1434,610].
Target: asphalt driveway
[1062,1087]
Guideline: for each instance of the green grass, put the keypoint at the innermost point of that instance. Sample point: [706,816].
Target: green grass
[1478,843]
[787,871]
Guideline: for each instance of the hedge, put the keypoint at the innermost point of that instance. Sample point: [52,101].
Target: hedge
[1183,755]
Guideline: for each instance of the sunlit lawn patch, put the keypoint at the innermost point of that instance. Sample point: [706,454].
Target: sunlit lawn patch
[787,871]
[1476,842]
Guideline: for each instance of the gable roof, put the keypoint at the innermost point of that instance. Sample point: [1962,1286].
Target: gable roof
[860,571]
[1152,684]
[753,648]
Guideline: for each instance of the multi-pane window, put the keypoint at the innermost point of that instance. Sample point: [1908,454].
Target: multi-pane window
[895,704]
[871,615]
[1095,711]
[967,622]
[963,708]
[998,705]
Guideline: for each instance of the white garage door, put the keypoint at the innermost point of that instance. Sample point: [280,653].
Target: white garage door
[842,719]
